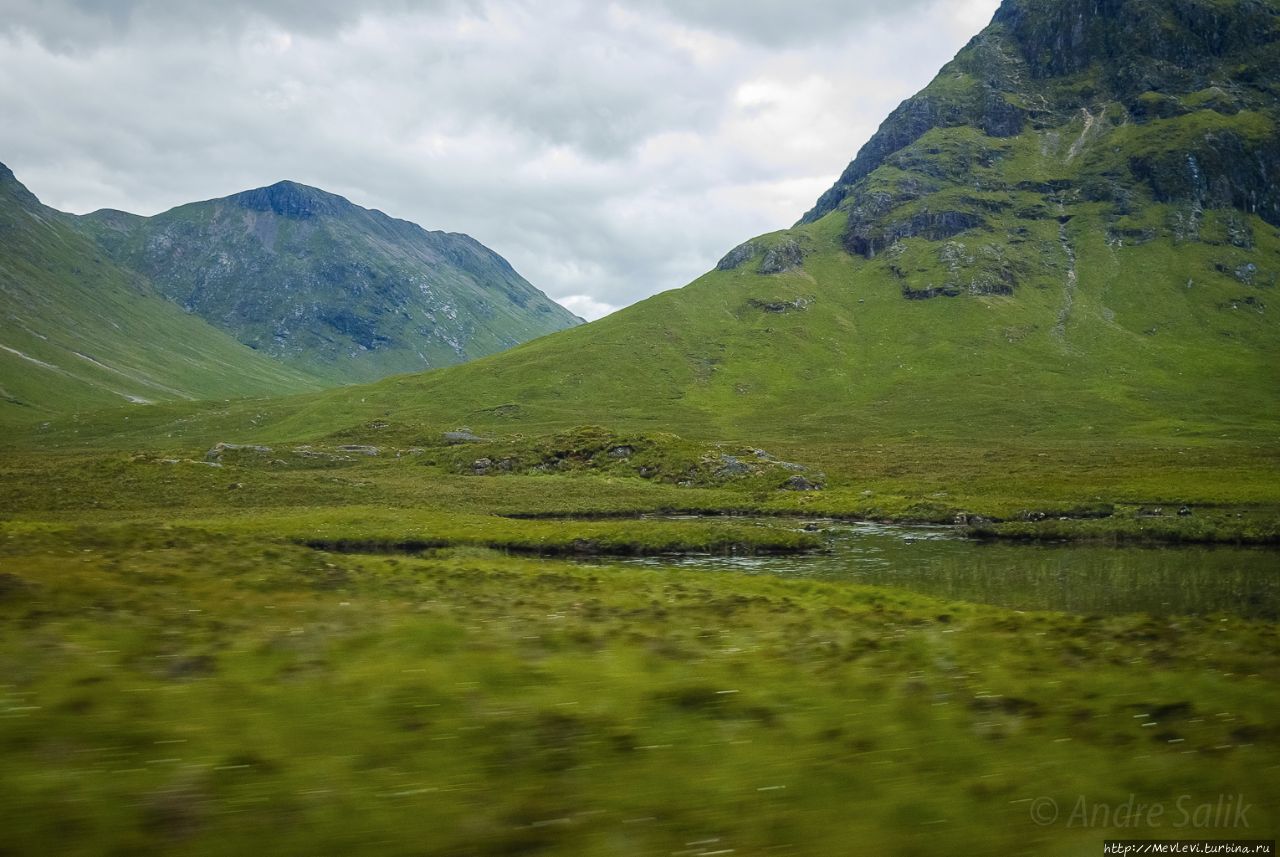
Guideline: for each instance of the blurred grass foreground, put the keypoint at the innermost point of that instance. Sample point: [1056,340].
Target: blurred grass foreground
[185,691]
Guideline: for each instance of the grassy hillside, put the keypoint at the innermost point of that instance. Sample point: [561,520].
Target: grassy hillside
[834,352]
[78,332]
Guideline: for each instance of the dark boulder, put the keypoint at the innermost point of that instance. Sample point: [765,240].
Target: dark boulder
[732,467]
[801,483]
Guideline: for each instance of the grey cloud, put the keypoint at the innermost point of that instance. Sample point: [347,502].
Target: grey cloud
[767,22]
[600,153]
[71,25]
[601,95]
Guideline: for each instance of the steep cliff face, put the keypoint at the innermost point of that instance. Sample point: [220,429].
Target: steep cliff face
[322,284]
[1125,101]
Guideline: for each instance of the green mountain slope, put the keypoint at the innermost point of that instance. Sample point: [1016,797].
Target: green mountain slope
[77,331]
[1073,229]
[1073,232]
[329,287]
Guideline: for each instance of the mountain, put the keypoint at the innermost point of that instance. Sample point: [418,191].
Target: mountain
[1072,233]
[328,287]
[77,331]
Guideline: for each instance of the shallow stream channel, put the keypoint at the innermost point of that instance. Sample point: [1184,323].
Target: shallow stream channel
[1066,577]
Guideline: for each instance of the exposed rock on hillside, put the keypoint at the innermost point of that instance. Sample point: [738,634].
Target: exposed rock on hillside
[1114,102]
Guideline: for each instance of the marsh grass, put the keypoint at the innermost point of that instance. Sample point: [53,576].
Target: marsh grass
[182,674]
[169,691]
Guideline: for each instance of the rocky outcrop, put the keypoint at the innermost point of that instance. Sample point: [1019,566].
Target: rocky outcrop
[947,291]
[868,238]
[983,107]
[801,483]
[219,451]
[1173,41]
[781,306]
[1221,169]
[1044,63]
[785,256]
[737,257]
[291,200]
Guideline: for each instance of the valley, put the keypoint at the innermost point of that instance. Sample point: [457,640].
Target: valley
[944,520]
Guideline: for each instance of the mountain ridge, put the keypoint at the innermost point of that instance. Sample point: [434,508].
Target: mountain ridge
[1163,47]
[328,286]
[70,284]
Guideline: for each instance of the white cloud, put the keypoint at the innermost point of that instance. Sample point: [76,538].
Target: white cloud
[585,306]
[608,150]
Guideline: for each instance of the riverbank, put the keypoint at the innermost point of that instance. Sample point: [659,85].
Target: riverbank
[403,497]
[1145,526]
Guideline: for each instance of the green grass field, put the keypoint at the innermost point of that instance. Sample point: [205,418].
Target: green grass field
[168,691]
[298,654]
[312,650]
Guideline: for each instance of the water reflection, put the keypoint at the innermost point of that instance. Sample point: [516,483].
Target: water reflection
[1089,579]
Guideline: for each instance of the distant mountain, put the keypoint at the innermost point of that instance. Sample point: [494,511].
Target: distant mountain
[1072,232]
[328,287]
[78,331]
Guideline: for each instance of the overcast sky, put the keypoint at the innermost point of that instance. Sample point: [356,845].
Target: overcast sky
[608,150]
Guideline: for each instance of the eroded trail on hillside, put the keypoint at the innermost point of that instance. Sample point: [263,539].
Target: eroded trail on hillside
[1090,123]
[1072,278]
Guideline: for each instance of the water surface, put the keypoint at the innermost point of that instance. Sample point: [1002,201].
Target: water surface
[1067,577]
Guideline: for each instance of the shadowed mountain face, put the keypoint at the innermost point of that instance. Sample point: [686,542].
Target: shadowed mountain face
[1071,232]
[329,287]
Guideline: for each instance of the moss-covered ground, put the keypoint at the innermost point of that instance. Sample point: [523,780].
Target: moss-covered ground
[423,488]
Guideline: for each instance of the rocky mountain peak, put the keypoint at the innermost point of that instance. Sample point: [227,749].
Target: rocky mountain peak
[1184,91]
[292,200]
